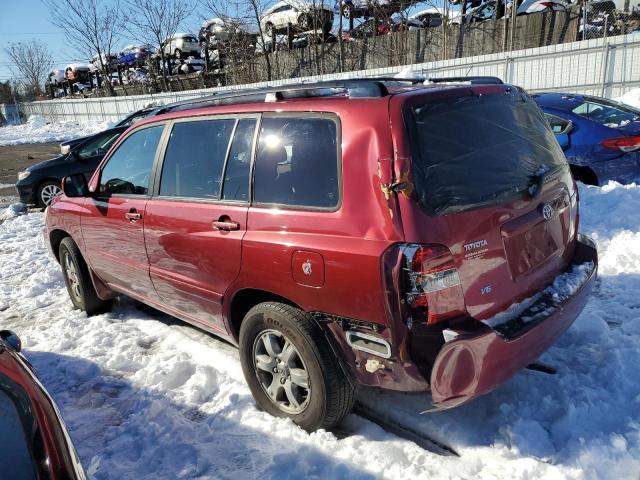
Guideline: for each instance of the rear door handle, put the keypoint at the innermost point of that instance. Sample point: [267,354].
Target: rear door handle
[133,216]
[226,224]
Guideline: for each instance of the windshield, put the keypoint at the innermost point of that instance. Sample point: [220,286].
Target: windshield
[479,150]
[609,114]
[99,145]
[133,118]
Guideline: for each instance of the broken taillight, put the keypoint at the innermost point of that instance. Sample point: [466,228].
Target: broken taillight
[432,285]
[624,144]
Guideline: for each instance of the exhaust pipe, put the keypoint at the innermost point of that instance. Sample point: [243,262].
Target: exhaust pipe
[368,343]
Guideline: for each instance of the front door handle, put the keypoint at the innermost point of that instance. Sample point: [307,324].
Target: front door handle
[226,224]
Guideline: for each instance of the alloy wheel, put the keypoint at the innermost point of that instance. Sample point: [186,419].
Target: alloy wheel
[48,193]
[281,372]
[72,277]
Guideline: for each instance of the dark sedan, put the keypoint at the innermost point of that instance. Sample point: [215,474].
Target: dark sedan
[40,183]
[35,442]
[127,121]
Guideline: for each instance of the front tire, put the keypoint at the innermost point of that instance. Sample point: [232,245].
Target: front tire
[78,280]
[47,192]
[291,369]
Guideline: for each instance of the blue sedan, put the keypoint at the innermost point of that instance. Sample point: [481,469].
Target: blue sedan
[600,137]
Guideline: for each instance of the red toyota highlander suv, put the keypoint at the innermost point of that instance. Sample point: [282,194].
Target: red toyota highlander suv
[389,233]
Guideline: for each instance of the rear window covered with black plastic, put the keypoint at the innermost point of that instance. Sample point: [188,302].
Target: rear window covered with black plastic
[479,150]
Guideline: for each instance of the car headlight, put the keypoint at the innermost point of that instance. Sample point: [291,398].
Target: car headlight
[23,175]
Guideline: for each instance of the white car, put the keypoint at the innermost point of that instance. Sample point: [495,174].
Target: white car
[182,45]
[302,15]
[429,17]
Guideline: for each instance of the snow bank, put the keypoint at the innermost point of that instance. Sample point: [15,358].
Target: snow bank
[632,98]
[148,397]
[39,130]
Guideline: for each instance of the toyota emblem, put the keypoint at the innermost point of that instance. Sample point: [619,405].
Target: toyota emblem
[547,211]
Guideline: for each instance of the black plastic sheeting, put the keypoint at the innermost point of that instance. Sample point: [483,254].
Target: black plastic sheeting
[480,150]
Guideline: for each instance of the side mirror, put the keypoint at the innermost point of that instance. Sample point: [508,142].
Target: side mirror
[75,186]
[12,340]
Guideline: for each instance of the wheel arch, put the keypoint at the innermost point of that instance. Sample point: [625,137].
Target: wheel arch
[55,239]
[244,300]
[584,174]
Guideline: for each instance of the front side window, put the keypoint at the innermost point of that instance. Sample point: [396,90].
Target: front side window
[297,162]
[195,157]
[128,170]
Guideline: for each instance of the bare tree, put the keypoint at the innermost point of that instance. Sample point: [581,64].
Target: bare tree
[155,21]
[93,26]
[30,61]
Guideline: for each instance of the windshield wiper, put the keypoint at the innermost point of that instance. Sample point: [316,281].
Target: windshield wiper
[537,180]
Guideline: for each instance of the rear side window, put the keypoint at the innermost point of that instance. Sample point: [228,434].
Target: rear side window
[297,162]
[558,125]
[195,157]
[608,114]
[479,150]
[128,170]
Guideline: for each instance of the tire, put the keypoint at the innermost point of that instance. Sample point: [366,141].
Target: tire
[347,10]
[78,281]
[47,191]
[177,53]
[309,360]
[268,28]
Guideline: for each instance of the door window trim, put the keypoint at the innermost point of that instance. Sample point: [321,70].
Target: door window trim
[155,193]
[305,208]
[102,196]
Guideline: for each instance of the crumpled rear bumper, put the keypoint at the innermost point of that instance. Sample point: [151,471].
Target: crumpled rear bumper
[475,363]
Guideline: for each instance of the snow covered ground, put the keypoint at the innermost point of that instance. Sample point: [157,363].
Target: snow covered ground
[148,397]
[632,98]
[38,130]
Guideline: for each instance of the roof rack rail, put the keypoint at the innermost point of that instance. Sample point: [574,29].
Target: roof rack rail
[479,80]
[372,87]
[353,88]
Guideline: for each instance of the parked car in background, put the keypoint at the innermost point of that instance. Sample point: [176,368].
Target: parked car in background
[429,17]
[127,121]
[341,233]
[600,137]
[135,55]
[78,77]
[302,15]
[35,441]
[39,184]
[369,28]
[371,8]
[55,83]
[110,60]
[182,45]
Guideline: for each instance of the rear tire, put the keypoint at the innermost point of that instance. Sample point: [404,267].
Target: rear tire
[78,280]
[291,369]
